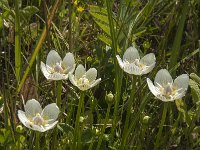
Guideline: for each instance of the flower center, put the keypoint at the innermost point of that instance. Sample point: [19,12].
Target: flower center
[58,68]
[169,90]
[83,81]
[140,65]
[38,120]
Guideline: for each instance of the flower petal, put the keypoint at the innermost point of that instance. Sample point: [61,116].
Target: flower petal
[80,71]
[57,76]
[44,70]
[50,113]
[148,69]
[72,80]
[91,74]
[163,77]
[121,64]
[131,54]
[50,126]
[181,82]
[22,117]
[32,107]
[132,69]
[95,83]
[52,58]
[152,88]
[148,59]
[68,62]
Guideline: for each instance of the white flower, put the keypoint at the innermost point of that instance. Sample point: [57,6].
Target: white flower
[37,119]
[165,89]
[84,80]
[132,63]
[55,68]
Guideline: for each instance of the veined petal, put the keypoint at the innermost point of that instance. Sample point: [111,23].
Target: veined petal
[132,69]
[32,107]
[91,74]
[181,82]
[148,59]
[57,76]
[50,126]
[80,71]
[95,83]
[52,58]
[50,113]
[152,88]
[72,80]
[163,77]
[68,61]
[44,70]
[121,64]
[148,69]
[22,117]
[131,54]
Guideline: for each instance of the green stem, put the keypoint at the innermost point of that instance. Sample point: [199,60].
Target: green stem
[128,112]
[59,92]
[37,140]
[17,42]
[118,72]
[77,128]
[161,126]
[104,127]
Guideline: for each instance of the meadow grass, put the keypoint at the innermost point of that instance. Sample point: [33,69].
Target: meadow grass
[119,112]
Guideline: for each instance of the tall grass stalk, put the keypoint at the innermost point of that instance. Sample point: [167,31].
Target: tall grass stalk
[77,131]
[161,126]
[17,42]
[39,44]
[104,127]
[118,72]
[37,140]
[128,111]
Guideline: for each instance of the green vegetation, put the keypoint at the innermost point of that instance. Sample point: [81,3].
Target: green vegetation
[120,112]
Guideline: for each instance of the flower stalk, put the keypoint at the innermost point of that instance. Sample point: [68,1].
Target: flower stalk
[128,112]
[77,134]
[161,126]
[104,126]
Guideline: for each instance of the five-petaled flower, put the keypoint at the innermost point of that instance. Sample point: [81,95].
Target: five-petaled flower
[37,119]
[56,68]
[84,80]
[165,89]
[132,63]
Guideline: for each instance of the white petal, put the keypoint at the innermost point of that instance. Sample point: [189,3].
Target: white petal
[72,80]
[80,71]
[91,74]
[95,83]
[148,59]
[44,70]
[50,113]
[50,126]
[131,54]
[152,88]
[163,77]
[22,117]
[52,58]
[32,107]
[68,62]
[132,69]
[121,64]
[148,69]
[181,82]
[57,76]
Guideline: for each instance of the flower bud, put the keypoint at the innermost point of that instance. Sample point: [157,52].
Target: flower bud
[109,97]
[19,129]
[145,120]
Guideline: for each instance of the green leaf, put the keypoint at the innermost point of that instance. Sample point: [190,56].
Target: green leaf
[195,91]
[28,11]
